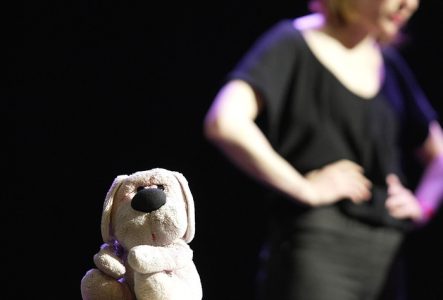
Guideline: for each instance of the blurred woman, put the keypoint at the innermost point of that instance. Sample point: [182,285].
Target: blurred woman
[324,111]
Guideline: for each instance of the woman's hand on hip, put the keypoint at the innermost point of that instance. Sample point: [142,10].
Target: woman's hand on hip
[339,180]
[401,202]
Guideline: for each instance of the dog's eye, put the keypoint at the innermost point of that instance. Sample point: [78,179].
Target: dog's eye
[161,187]
[140,188]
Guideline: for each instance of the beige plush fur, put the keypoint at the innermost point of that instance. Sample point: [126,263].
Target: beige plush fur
[145,255]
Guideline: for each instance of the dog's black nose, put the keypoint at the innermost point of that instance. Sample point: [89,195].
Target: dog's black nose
[147,200]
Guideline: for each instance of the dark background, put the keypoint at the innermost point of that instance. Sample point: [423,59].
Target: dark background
[96,89]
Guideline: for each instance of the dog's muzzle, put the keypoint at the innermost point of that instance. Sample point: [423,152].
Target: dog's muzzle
[148,200]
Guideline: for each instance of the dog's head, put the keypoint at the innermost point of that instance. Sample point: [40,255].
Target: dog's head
[152,207]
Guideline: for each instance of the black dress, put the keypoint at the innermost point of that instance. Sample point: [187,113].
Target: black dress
[339,251]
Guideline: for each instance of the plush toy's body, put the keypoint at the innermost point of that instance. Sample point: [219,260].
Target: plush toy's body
[147,223]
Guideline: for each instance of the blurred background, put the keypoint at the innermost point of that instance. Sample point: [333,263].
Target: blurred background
[96,89]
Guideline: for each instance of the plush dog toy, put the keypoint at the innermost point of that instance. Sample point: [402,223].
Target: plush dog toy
[147,223]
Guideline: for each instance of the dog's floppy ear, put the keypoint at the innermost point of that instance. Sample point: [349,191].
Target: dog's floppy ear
[189,200]
[107,207]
